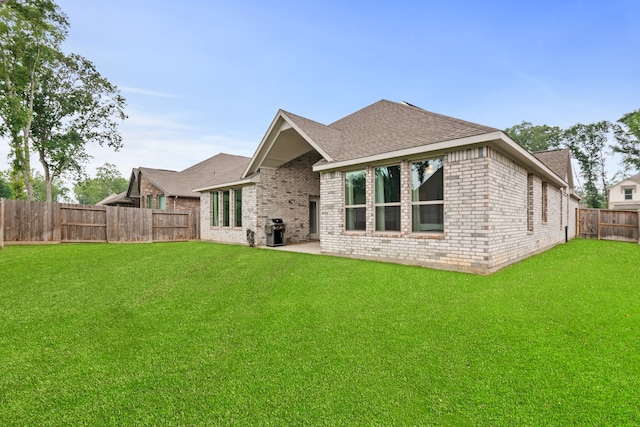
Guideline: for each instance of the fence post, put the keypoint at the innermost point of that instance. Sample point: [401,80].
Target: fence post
[639,226]
[577,222]
[1,223]
[598,224]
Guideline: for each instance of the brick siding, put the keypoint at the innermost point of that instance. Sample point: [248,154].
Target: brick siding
[173,203]
[485,221]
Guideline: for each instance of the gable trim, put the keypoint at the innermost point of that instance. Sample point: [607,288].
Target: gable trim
[280,123]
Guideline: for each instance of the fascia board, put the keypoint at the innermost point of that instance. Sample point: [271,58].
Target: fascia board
[409,152]
[263,148]
[252,180]
[307,138]
[513,148]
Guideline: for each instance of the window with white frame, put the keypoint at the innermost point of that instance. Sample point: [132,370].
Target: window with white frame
[355,200]
[427,196]
[387,198]
[225,208]
[237,207]
[628,193]
[215,208]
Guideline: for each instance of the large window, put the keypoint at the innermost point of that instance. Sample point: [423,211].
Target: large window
[225,208]
[387,191]
[162,202]
[427,201]
[355,199]
[237,207]
[215,208]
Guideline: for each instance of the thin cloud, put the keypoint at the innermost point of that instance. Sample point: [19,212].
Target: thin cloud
[127,89]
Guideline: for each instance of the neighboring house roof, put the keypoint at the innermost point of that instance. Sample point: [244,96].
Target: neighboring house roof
[182,183]
[382,131]
[634,178]
[113,199]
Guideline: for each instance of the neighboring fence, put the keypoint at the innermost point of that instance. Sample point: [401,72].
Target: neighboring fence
[608,224]
[37,222]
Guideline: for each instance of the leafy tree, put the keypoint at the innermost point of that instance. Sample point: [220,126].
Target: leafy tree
[5,188]
[588,144]
[74,106]
[56,190]
[108,181]
[31,32]
[50,103]
[536,138]
[627,134]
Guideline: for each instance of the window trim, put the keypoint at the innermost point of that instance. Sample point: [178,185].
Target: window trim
[354,207]
[237,214]
[215,208]
[226,208]
[425,202]
[385,204]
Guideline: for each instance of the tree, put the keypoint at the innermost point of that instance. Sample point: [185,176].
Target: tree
[536,138]
[31,32]
[5,187]
[627,134]
[73,107]
[56,191]
[108,181]
[587,144]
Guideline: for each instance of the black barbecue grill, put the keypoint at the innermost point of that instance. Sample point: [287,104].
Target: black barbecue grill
[275,232]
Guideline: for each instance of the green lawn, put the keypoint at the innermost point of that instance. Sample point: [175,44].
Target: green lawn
[204,334]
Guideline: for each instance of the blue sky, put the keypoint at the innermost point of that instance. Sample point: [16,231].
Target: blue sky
[203,77]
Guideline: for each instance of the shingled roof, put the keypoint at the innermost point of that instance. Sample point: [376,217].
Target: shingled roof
[391,126]
[219,167]
[559,161]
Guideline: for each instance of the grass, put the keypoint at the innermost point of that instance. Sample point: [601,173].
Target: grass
[204,334]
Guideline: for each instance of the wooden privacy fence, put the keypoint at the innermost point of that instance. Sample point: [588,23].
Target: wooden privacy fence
[608,224]
[37,222]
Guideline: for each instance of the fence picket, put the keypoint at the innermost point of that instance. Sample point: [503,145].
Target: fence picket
[34,222]
[606,224]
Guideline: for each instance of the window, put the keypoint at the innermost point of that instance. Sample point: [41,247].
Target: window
[150,202]
[237,207]
[545,201]
[215,209]
[387,198]
[162,202]
[628,193]
[427,201]
[225,208]
[355,199]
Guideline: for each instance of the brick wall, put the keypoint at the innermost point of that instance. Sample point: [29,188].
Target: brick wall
[284,193]
[510,237]
[172,203]
[281,193]
[485,222]
[230,234]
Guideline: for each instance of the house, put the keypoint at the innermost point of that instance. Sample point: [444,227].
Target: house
[173,190]
[393,182]
[625,195]
[119,199]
